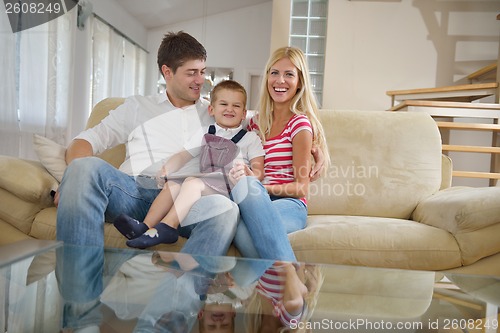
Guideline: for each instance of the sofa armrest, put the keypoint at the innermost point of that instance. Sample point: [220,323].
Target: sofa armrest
[27,180]
[460,209]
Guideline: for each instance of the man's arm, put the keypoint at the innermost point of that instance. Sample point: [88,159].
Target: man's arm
[319,163]
[78,148]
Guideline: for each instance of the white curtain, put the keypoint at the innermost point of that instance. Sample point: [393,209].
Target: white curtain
[119,66]
[9,126]
[36,89]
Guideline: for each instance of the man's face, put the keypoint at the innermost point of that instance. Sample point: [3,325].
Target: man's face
[184,87]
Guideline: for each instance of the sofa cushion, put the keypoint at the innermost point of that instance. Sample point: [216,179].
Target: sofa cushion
[27,180]
[382,163]
[376,242]
[461,209]
[19,213]
[51,155]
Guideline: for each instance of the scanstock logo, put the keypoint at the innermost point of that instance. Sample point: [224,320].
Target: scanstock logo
[25,14]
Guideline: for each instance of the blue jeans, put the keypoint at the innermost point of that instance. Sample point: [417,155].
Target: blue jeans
[92,190]
[266,221]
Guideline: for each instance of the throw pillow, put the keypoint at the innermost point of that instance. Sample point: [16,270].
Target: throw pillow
[51,155]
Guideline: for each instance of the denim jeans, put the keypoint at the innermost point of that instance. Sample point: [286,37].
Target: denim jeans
[266,221]
[92,190]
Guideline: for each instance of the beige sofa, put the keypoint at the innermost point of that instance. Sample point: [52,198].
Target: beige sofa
[386,201]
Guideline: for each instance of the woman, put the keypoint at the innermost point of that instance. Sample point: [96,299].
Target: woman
[288,124]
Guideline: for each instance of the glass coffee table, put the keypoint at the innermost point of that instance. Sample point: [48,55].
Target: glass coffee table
[47,287]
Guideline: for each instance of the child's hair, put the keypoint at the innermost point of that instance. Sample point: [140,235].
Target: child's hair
[229,85]
[313,279]
[178,47]
[303,103]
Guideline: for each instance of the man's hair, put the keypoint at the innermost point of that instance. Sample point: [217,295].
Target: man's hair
[178,47]
[229,85]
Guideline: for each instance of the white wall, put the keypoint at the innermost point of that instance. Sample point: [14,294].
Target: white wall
[237,39]
[376,46]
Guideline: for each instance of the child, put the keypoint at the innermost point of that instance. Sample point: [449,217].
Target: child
[172,205]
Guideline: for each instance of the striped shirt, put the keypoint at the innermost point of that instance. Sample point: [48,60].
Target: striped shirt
[271,285]
[278,161]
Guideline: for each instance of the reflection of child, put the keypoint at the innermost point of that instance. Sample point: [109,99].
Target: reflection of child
[174,201]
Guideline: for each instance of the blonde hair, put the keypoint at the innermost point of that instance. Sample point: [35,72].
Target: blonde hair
[313,279]
[303,103]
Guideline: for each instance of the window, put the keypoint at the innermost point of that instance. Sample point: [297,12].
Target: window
[36,73]
[308,32]
[118,65]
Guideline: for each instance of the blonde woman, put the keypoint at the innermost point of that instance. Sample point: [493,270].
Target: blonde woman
[289,126]
[281,302]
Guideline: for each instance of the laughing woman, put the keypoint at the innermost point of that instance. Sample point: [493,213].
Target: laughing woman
[288,124]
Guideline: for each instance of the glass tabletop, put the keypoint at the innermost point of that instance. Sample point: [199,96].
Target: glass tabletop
[49,287]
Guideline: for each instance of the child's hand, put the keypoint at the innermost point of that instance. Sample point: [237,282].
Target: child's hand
[238,171]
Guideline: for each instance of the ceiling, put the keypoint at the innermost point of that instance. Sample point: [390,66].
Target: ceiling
[156,13]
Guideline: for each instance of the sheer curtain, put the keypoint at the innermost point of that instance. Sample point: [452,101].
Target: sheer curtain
[35,66]
[119,66]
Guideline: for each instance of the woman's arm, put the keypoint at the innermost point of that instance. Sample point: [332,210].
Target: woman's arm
[301,157]
[257,166]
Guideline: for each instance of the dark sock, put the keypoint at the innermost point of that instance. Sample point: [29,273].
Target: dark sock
[162,233]
[129,227]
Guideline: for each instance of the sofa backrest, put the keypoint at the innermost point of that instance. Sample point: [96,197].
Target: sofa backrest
[382,163]
[115,156]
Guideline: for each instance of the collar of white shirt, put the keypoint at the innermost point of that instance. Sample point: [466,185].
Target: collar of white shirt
[163,97]
[226,132]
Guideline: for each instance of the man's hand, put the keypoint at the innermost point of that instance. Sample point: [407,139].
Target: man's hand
[56,197]
[319,163]
[161,176]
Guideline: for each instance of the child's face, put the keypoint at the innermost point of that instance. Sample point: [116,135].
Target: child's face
[228,109]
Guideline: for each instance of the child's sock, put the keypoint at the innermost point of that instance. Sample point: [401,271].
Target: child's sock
[129,227]
[162,233]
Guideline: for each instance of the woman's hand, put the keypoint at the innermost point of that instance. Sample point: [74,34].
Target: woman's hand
[238,171]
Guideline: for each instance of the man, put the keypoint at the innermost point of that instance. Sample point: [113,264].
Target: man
[92,191]
[153,128]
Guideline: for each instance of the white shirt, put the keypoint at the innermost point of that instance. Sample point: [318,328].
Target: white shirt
[152,128]
[250,144]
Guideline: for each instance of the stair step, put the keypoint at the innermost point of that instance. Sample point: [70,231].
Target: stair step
[476,174]
[451,109]
[458,93]
[486,73]
[471,149]
[468,126]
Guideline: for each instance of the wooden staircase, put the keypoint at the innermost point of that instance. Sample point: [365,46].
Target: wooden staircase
[485,74]
[459,102]
[447,104]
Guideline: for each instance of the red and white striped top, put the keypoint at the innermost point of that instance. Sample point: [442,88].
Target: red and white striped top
[271,285]
[278,162]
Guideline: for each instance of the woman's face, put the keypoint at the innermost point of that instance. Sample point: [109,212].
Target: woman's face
[283,81]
